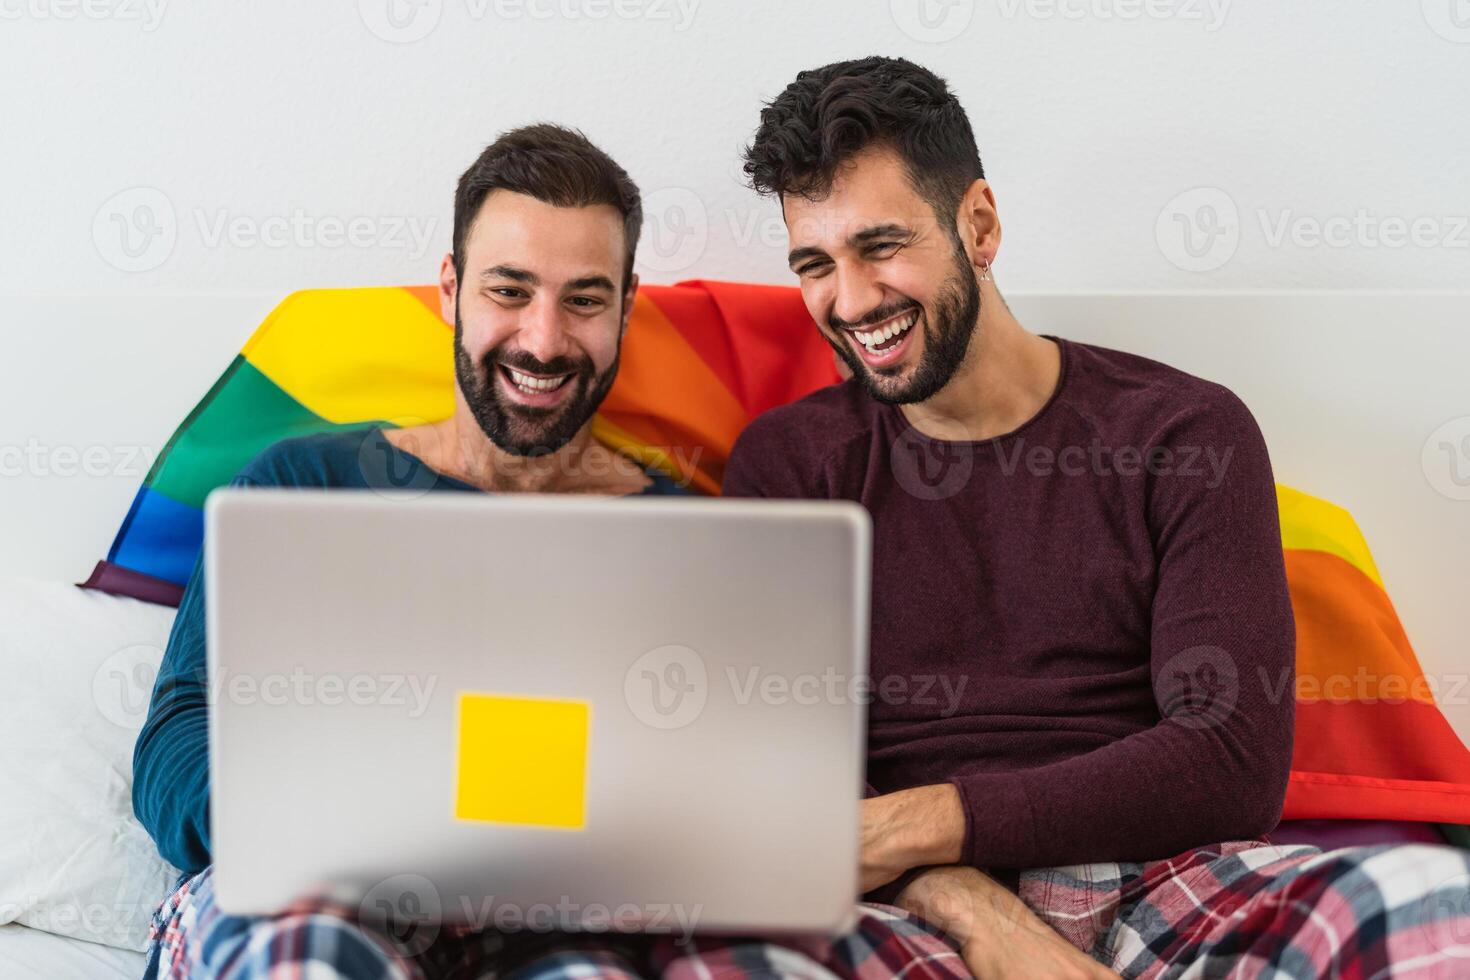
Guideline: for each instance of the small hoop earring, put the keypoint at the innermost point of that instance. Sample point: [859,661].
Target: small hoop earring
[985,275]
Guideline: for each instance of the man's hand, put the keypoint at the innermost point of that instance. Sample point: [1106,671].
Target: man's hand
[909,829]
[999,936]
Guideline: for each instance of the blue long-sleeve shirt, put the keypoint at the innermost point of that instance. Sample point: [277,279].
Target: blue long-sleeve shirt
[171,758]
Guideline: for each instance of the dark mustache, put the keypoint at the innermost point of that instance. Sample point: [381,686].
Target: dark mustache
[522,361]
[868,319]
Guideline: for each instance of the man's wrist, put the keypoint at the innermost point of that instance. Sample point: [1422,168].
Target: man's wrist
[969,905]
[966,902]
[942,896]
[931,826]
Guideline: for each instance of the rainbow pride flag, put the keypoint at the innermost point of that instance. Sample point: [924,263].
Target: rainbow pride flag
[332,359]
[1371,741]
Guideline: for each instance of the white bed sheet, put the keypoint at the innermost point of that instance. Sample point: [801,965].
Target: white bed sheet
[30,954]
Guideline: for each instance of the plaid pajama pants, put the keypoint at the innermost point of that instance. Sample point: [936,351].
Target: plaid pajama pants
[1239,909]
[1253,909]
[191,937]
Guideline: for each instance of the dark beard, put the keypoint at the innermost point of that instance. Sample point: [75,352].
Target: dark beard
[519,430]
[946,341]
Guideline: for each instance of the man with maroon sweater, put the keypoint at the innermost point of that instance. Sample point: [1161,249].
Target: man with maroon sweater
[1081,544]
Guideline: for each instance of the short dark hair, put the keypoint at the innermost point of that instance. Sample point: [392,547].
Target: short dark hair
[830,114]
[553,164]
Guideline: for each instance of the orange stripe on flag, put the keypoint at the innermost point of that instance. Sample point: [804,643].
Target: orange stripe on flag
[1343,618]
[667,397]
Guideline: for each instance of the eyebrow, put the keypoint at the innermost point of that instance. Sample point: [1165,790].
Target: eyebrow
[888,230]
[877,231]
[591,282]
[805,252]
[512,273]
[516,274]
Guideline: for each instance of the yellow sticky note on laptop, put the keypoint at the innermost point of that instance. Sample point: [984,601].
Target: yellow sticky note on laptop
[522,760]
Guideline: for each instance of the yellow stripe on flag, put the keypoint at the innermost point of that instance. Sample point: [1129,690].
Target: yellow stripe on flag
[1312,524]
[353,355]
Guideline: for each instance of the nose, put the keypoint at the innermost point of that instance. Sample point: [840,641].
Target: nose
[857,292]
[543,332]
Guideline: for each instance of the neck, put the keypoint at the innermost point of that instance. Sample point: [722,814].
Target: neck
[474,458]
[1007,375]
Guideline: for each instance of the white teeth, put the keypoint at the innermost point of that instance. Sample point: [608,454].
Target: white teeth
[532,385]
[872,339]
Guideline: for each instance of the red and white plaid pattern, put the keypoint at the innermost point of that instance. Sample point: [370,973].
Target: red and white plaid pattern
[1251,909]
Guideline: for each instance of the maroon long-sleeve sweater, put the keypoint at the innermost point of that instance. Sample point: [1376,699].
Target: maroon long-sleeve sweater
[1083,624]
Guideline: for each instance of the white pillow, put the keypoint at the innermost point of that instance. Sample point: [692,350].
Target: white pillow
[76,673]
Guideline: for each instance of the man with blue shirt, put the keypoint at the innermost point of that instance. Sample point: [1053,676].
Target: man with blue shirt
[540,287]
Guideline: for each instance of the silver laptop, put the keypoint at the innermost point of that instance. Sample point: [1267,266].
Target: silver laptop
[538,712]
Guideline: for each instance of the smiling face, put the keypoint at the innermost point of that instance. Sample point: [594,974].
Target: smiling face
[538,318]
[890,287]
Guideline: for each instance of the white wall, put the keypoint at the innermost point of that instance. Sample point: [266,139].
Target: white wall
[1092,116]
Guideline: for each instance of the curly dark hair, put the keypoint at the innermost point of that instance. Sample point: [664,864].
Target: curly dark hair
[829,114]
[553,164]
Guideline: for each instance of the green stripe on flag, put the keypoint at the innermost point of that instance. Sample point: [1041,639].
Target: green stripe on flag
[240,416]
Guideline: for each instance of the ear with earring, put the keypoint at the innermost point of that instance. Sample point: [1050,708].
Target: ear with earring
[985,275]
